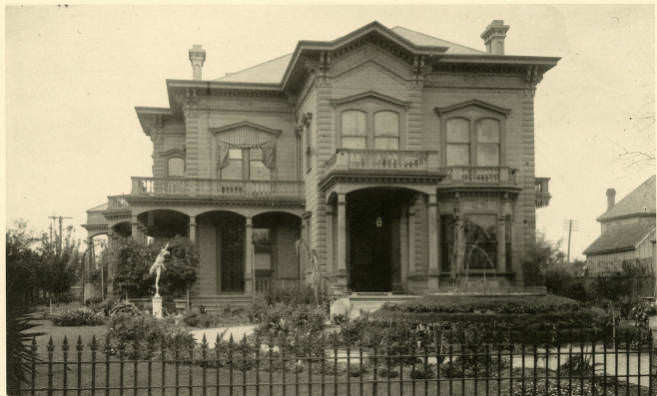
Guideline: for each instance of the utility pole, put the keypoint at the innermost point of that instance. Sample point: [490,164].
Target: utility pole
[572,226]
[59,239]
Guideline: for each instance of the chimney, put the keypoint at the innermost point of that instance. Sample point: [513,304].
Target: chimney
[197,57]
[494,35]
[611,198]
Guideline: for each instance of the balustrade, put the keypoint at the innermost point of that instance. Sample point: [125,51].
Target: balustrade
[149,186]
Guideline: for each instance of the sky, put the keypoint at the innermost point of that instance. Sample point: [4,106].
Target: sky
[74,75]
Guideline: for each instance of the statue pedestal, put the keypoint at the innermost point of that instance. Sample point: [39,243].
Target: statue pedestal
[157,307]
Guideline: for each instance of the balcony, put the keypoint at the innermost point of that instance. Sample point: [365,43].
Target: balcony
[117,203]
[216,189]
[542,188]
[397,161]
[480,176]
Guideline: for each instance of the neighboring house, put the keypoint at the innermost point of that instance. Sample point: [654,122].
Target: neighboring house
[627,231]
[387,159]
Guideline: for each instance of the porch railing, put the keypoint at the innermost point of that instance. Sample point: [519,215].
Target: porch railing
[385,160]
[151,186]
[488,175]
[117,202]
[542,187]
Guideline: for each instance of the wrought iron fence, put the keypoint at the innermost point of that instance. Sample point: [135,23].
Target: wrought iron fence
[433,364]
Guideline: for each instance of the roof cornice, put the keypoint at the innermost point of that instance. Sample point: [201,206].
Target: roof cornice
[473,102]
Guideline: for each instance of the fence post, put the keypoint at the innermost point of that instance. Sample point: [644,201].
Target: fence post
[204,363]
[33,360]
[79,348]
[51,348]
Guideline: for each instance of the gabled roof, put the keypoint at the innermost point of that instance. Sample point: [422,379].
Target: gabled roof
[621,238]
[272,71]
[640,202]
[98,208]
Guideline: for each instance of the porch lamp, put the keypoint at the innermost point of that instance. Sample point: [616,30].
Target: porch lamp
[379,222]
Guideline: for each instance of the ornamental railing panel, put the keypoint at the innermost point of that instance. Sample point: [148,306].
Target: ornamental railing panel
[383,160]
[189,187]
[484,175]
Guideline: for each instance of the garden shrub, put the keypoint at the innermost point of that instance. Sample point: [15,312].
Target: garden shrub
[143,333]
[77,317]
[228,316]
[125,308]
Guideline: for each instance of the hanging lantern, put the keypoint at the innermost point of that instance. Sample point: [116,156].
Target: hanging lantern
[379,222]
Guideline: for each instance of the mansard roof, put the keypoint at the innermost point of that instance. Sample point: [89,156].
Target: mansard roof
[640,202]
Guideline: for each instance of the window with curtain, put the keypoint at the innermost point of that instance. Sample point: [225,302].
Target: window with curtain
[480,241]
[234,169]
[176,167]
[488,142]
[386,130]
[354,129]
[458,142]
[257,168]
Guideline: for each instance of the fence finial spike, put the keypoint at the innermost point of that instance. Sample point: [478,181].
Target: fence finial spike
[78,345]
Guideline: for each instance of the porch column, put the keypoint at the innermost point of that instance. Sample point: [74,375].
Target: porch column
[248,255]
[136,230]
[341,243]
[433,243]
[330,265]
[110,270]
[501,244]
[411,239]
[192,229]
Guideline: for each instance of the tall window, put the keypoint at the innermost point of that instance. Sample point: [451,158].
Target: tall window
[480,241]
[354,129]
[234,170]
[488,142]
[447,229]
[257,168]
[458,142]
[386,130]
[176,167]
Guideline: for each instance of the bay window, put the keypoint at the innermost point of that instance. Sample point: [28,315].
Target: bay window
[354,129]
[386,130]
[480,241]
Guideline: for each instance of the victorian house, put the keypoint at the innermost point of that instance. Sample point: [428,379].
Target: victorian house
[386,160]
[627,232]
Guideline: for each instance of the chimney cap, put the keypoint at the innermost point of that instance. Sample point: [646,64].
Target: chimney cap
[197,51]
[611,192]
[496,27]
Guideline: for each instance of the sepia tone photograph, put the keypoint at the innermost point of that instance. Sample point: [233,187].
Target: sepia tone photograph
[329,199]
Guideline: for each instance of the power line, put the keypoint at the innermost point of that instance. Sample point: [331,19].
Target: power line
[570,225]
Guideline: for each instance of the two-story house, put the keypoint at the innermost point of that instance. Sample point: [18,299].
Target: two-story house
[387,159]
[627,231]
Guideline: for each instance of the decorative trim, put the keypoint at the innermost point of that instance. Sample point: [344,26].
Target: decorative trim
[370,94]
[473,102]
[369,177]
[174,152]
[242,124]
[232,201]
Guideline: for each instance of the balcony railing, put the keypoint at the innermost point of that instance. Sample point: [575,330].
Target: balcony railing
[213,188]
[481,175]
[117,202]
[383,160]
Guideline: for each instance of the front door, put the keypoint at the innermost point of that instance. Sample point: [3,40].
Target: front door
[231,256]
[370,247]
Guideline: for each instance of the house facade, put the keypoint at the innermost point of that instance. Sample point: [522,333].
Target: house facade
[385,160]
[627,232]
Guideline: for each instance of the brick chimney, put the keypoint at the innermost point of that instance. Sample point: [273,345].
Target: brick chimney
[197,58]
[494,36]
[611,198]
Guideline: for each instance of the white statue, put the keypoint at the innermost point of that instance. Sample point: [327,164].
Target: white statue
[158,267]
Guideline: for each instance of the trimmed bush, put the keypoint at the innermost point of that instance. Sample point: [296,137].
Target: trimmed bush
[77,317]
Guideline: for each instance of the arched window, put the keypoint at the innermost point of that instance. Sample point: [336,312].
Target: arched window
[386,130]
[354,129]
[488,142]
[176,167]
[458,142]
